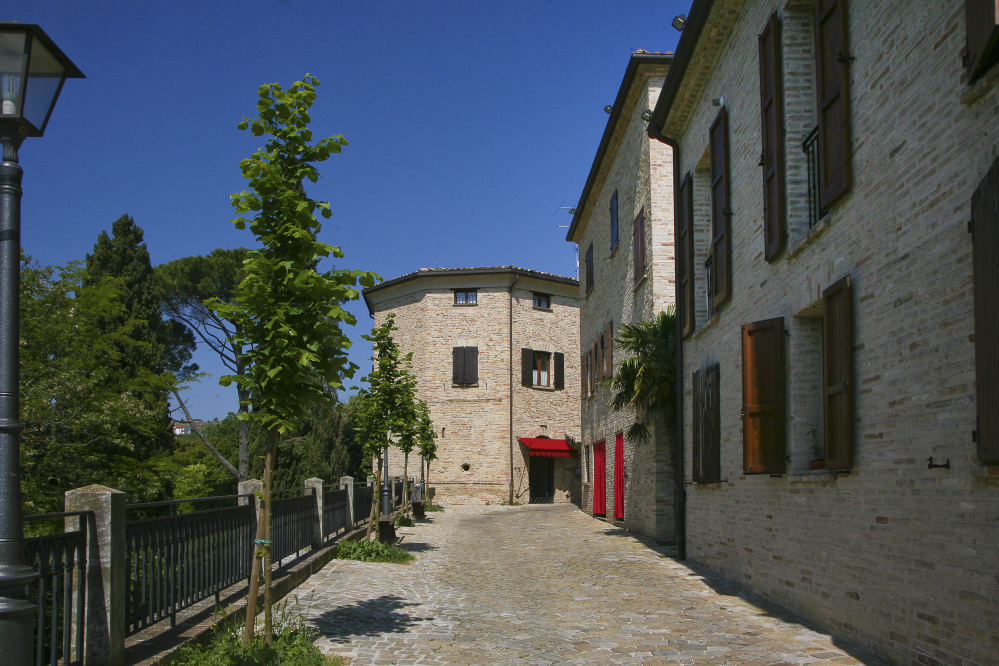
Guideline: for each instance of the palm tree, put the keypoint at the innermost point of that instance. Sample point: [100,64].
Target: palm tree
[647,377]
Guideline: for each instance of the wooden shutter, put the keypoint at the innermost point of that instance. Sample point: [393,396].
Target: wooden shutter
[582,376]
[981,18]
[707,426]
[763,397]
[832,83]
[837,375]
[589,267]
[610,348]
[985,257]
[638,245]
[685,253]
[471,365]
[721,213]
[772,117]
[613,217]
[558,361]
[595,367]
[587,378]
[457,365]
[526,367]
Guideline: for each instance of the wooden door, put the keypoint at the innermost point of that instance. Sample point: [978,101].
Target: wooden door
[619,477]
[599,479]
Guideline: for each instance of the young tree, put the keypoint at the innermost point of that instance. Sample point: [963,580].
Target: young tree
[286,313]
[183,288]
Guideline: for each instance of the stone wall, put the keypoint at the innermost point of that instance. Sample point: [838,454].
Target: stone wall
[892,555]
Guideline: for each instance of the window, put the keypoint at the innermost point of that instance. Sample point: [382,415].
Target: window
[542,301]
[981,18]
[603,356]
[607,350]
[720,256]
[587,375]
[589,268]
[772,157]
[685,252]
[833,97]
[542,369]
[465,365]
[837,375]
[706,463]
[763,397]
[583,388]
[638,239]
[613,220]
[466,297]
[984,250]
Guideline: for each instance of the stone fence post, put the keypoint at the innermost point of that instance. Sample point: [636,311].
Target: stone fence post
[319,531]
[107,572]
[348,483]
[251,487]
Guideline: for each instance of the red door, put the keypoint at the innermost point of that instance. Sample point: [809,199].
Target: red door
[599,479]
[619,477]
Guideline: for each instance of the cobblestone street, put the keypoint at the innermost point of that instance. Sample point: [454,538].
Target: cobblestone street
[547,585]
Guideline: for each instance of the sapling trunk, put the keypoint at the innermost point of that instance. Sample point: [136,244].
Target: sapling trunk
[262,550]
[405,485]
[375,499]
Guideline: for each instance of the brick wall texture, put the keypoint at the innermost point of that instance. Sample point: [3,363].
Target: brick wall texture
[640,170]
[894,556]
[476,420]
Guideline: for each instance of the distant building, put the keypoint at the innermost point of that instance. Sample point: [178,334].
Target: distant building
[495,353]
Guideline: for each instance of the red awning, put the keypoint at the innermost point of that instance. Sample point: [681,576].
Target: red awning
[550,448]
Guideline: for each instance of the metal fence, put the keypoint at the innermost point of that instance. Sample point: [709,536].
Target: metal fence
[810,146]
[59,558]
[177,560]
[363,496]
[336,511]
[293,523]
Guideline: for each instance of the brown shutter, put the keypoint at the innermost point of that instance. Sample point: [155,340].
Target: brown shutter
[707,426]
[832,76]
[589,268]
[457,365]
[587,374]
[526,367]
[639,242]
[558,360]
[985,257]
[685,253]
[772,117]
[595,367]
[471,365]
[980,18]
[610,349]
[721,212]
[582,376]
[837,375]
[763,397]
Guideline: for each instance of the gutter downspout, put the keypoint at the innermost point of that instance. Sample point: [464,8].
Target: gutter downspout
[515,279]
[679,484]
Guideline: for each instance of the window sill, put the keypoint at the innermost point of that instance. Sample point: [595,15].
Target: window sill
[981,87]
[645,277]
[464,386]
[815,476]
[709,324]
[542,309]
[543,388]
[465,305]
[614,249]
[820,228]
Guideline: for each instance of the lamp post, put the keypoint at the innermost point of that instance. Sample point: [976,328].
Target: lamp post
[32,71]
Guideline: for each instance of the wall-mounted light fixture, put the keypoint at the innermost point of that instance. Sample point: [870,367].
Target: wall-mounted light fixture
[608,108]
[678,21]
[647,115]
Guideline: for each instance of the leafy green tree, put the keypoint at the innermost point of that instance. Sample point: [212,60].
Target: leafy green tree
[286,313]
[183,287]
[85,420]
[646,379]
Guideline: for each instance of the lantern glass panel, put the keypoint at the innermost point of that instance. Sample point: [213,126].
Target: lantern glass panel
[11,68]
[45,73]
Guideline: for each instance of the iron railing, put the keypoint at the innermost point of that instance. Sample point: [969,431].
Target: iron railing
[336,511]
[293,523]
[177,560]
[363,496]
[810,146]
[59,558]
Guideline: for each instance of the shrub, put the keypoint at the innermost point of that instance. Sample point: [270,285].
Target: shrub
[292,646]
[372,551]
[403,520]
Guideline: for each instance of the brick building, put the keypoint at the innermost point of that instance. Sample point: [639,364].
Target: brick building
[840,417]
[494,352]
[623,225]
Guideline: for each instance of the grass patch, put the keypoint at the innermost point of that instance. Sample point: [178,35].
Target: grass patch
[292,646]
[430,506]
[372,551]
[403,520]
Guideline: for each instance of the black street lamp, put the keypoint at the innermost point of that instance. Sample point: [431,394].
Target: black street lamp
[32,71]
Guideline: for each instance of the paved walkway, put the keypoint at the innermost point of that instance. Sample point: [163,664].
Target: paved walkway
[547,585]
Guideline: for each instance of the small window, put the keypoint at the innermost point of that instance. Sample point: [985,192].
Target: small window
[613,221]
[541,371]
[638,240]
[542,301]
[589,268]
[466,297]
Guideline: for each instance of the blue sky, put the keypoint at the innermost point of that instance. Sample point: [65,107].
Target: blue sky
[469,123]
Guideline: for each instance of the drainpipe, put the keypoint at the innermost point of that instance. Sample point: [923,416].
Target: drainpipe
[679,484]
[516,277]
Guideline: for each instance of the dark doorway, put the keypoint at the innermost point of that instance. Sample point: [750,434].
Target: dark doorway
[541,476]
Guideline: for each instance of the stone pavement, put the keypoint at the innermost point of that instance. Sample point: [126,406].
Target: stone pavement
[548,585]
